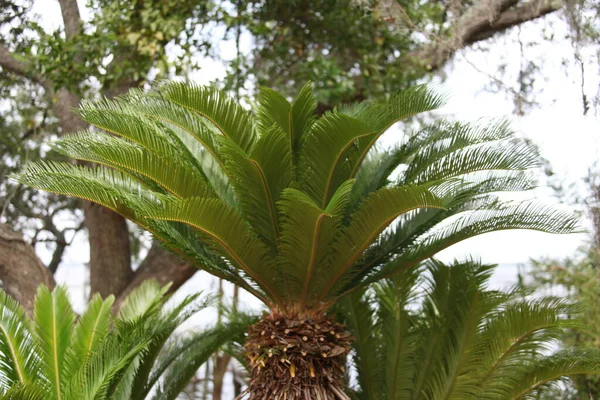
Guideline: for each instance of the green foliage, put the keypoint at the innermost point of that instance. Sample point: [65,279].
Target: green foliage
[298,206]
[136,355]
[438,332]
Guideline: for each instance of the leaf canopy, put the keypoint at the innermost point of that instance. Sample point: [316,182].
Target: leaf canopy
[438,332]
[100,356]
[295,208]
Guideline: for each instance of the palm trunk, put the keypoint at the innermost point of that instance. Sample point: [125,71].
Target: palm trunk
[294,358]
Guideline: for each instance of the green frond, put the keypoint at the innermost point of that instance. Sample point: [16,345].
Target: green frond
[100,377]
[323,149]
[159,325]
[180,361]
[54,319]
[259,179]
[357,310]
[17,345]
[375,214]
[307,234]
[302,114]
[438,332]
[227,231]
[144,300]
[397,329]
[107,187]
[195,136]
[382,114]
[89,332]
[25,392]
[170,173]
[118,119]
[214,105]
[502,216]
[510,154]
[542,372]
[293,119]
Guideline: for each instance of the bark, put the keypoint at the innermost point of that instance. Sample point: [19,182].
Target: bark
[110,253]
[162,265]
[297,358]
[480,21]
[21,271]
[221,364]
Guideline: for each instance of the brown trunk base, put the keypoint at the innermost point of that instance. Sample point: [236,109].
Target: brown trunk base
[297,358]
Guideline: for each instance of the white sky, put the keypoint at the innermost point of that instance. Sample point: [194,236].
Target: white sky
[566,138]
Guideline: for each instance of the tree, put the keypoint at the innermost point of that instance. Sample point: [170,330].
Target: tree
[292,208]
[363,48]
[438,332]
[133,356]
[576,278]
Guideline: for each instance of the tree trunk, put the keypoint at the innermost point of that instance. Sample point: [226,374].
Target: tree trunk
[110,253]
[162,265]
[221,363]
[21,271]
[293,358]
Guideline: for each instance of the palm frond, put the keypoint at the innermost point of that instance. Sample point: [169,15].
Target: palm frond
[307,234]
[375,214]
[17,345]
[259,179]
[382,114]
[179,362]
[54,320]
[25,392]
[229,117]
[446,335]
[502,216]
[294,119]
[169,173]
[323,149]
[91,329]
[227,230]
[561,364]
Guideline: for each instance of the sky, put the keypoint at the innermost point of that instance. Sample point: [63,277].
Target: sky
[567,139]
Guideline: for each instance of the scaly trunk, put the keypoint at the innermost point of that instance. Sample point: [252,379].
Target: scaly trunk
[295,358]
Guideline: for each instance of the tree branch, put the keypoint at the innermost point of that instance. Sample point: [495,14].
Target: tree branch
[21,271]
[515,16]
[481,21]
[71,17]
[9,63]
[162,265]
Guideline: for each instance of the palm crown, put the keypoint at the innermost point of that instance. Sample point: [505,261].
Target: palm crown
[438,332]
[133,356]
[296,209]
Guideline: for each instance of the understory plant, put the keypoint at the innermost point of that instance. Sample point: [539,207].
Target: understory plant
[136,355]
[439,332]
[297,209]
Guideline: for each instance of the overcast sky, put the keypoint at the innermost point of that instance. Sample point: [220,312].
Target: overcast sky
[566,138]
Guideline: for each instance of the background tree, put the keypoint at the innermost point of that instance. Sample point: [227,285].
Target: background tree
[363,48]
[576,278]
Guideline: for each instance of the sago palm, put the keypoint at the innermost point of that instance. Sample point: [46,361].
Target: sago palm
[299,210]
[133,356]
[437,332]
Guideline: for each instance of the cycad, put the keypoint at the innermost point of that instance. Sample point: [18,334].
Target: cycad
[438,332]
[298,210]
[131,357]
